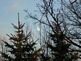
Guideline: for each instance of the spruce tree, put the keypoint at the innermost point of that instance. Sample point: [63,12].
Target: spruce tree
[21,46]
[59,46]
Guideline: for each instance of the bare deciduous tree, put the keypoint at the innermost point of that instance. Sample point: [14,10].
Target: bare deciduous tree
[61,38]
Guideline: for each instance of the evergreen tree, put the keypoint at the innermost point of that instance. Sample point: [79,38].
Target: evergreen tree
[60,47]
[21,46]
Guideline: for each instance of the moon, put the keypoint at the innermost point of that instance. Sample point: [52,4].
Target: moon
[38,29]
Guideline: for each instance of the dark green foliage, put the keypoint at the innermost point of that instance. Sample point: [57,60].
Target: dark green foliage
[60,46]
[21,46]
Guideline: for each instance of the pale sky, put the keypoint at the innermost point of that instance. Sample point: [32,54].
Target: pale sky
[9,10]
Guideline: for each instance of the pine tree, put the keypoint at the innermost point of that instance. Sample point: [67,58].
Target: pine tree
[61,48]
[21,46]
